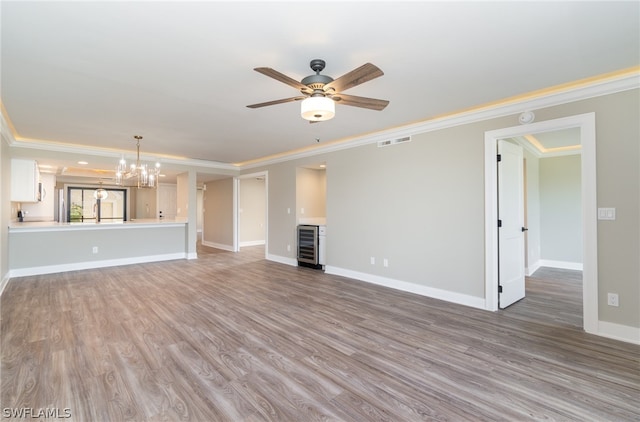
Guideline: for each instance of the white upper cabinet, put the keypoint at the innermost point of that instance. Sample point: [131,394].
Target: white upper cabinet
[25,179]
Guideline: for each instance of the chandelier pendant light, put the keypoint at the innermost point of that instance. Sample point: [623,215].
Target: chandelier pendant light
[100,193]
[146,176]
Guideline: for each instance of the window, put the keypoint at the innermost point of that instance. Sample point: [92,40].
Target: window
[83,207]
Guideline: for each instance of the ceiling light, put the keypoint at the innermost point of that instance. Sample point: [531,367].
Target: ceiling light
[83,163]
[146,177]
[317,109]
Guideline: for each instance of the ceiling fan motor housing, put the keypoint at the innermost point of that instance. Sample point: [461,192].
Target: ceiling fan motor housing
[317,81]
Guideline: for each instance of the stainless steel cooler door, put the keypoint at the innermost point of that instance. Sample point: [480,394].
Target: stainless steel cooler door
[308,244]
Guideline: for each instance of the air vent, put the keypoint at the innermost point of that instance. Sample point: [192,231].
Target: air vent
[393,141]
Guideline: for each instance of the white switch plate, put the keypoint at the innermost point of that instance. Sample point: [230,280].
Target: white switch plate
[606,213]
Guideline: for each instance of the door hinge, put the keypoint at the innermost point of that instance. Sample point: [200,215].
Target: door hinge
[499,223]
[499,156]
[499,289]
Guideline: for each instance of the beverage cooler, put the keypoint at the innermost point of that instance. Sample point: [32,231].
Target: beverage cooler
[311,246]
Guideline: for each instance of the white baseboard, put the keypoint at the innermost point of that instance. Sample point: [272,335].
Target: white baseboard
[461,299]
[50,269]
[218,246]
[532,268]
[619,332]
[252,243]
[282,260]
[4,282]
[192,255]
[565,265]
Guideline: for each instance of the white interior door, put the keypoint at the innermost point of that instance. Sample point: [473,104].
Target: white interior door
[167,201]
[511,224]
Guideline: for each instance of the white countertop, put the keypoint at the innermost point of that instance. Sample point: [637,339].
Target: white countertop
[31,226]
[313,221]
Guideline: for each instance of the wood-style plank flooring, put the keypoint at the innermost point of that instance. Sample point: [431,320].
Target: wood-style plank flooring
[233,337]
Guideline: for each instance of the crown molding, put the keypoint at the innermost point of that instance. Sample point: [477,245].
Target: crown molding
[115,154]
[568,93]
[581,90]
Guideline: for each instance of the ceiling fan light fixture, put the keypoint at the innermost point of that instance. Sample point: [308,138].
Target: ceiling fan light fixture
[317,109]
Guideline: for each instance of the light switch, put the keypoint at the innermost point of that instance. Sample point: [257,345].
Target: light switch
[606,213]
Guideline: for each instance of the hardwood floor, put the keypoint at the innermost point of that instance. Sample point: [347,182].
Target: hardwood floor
[233,337]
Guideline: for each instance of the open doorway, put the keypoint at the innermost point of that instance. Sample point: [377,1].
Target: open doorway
[250,194]
[586,125]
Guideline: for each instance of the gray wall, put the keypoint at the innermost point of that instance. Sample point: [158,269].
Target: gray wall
[311,193]
[74,245]
[561,209]
[421,205]
[618,179]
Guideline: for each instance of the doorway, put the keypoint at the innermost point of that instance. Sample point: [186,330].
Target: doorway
[251,211]
[586,124]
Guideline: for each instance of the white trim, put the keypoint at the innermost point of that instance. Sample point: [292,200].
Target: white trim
[458,298]
[619,332]
[252,243]
[192,255]
[235,218]
[565,265]
[586,123]
[532,268]
[116,154]
[50,269]
[282,260]
[608,86]
[219,246]
[3,283]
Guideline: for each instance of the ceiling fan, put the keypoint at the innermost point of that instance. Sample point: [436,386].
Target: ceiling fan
[322,92]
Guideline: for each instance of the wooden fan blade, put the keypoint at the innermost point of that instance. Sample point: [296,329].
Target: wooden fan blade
[364,73]
[274,102]
[267,71]
[364,102]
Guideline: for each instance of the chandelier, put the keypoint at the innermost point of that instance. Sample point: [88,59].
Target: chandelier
[100,193]
[144,175]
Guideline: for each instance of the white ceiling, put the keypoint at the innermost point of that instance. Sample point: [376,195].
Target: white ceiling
[180,73]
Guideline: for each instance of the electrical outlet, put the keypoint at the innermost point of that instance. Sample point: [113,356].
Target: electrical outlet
[372,260]
[385,262]
[612,299]
[95,249]
[288,248]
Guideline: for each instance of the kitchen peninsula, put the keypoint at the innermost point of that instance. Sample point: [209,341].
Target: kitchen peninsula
[51,247]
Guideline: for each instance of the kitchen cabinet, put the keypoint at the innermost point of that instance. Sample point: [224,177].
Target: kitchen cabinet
[25,180]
